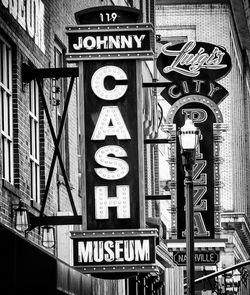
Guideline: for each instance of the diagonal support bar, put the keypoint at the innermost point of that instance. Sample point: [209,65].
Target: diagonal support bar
[56,141]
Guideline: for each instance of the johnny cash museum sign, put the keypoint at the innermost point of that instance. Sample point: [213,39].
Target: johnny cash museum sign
[114,237]
[194,69]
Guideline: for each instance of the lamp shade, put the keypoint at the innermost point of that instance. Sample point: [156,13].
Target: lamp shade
[21,218]
[48,236]
[189,135]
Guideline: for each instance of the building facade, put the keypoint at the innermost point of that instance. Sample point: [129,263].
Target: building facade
[33,37]
[223,23]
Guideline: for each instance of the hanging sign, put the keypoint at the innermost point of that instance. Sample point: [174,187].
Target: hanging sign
[114,236]
[193,67]
[115,251]
[112,137]
[203,170]
[192,59]
[129,41]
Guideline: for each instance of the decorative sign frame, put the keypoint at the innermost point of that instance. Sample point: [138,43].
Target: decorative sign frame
[115,251]
[112,41]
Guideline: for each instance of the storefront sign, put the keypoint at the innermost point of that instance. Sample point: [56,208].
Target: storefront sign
[127,41]
[192,68]
[30,16]
[200,257]
[193,60]
[130,41]
[203,170]
[114,238]
[112,139]
[114,251]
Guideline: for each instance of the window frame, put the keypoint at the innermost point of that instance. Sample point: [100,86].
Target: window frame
[6,109]
[34,152]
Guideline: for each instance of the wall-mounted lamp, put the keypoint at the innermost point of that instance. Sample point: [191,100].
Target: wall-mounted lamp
[23,224]
[21,218]
[48,236]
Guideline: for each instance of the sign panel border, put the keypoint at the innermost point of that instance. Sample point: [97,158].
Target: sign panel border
[141,54]
[132,267]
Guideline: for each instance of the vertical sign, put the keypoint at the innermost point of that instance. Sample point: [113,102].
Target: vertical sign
[203,172]
[112,137]
[193,68]
[109,53]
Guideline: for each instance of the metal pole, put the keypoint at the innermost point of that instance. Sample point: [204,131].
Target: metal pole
[188,159]
[189,233]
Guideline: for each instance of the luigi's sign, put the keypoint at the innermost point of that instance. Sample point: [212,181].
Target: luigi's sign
[194,69]
[193,60]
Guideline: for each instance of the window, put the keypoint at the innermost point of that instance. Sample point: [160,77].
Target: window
[34,141]
[6,109]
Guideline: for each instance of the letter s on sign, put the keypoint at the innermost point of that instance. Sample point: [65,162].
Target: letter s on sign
[97,83]
[103,157]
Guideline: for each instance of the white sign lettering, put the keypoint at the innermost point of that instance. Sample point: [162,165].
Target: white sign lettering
[200,60]
[119,167]
[121,202]
[113,251]
[176,91]
[109,42]
[110,123]
[97,83]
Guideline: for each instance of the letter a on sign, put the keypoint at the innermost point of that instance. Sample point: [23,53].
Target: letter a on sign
[110,123]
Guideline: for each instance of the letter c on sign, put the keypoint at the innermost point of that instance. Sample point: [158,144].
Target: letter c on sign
[97,83]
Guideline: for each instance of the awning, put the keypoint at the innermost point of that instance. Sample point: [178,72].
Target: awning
[28,269]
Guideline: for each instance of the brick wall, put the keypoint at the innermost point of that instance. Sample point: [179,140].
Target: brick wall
[58,15]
